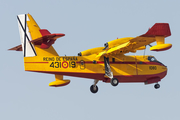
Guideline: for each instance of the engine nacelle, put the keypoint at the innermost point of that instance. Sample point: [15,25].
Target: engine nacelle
[91,51]
[117,42]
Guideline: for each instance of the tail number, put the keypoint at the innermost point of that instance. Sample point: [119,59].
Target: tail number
[152,67]
[63,64]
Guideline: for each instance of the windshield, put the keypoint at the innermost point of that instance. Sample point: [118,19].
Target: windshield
[153,59]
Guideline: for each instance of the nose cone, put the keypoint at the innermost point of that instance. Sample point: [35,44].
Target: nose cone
[164,72]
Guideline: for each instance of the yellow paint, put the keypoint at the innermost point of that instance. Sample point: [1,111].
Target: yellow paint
[33,28]
[160,47]
[117,47]
[119,41]
[159,40]
[35,33]
[92,51]
[59,81]
[36,64]
[141,48]
[126,45]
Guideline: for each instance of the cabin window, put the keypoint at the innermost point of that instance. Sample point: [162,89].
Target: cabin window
[113,60]
[94,61]
[82,65]
[153,59]
[82,62]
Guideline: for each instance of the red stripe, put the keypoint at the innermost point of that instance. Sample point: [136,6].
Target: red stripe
[36,62]
[102,62]
[100,76]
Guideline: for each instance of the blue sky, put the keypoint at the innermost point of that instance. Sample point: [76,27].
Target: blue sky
[87,24]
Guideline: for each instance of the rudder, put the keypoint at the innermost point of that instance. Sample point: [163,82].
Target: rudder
[27,47]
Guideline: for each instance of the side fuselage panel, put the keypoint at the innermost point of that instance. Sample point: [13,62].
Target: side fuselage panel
[125,68]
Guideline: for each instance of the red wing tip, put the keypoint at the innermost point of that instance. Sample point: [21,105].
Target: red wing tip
[159,29]
[45,32]
[59,34]
[17,48]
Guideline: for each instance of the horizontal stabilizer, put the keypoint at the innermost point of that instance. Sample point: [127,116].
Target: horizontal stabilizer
[45,41]
[17,48]
[47,38]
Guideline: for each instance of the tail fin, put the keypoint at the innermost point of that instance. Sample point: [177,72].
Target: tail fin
[35,41]
[27,46]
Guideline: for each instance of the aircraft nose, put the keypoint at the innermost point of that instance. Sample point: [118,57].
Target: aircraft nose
[164,72]
[164,68]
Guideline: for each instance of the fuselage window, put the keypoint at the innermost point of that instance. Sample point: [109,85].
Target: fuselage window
[113,60]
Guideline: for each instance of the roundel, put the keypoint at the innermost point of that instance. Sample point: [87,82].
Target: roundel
[65,64]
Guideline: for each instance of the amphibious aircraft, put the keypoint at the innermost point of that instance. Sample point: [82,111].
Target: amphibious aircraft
[108,64]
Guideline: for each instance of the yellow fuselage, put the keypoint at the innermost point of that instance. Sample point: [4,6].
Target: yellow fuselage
[125,68]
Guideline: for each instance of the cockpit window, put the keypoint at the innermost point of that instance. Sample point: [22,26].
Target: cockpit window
[152,59]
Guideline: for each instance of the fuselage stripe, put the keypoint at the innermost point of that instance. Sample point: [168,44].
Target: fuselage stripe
[140,63]
[36,62]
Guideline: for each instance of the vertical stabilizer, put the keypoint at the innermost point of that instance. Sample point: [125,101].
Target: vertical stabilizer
[27,46]
[30,32]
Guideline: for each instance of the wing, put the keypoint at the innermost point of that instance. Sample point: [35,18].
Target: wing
[125,45]
[115,50]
